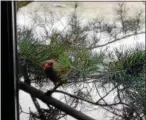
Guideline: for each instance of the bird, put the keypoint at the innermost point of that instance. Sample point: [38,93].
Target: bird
[50,72]
[57,74]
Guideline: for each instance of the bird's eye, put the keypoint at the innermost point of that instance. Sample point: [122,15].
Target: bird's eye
[51,64]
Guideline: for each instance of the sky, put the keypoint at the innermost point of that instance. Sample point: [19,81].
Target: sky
[86,11]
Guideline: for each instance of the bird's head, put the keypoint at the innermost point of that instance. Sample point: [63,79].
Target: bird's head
[49,63]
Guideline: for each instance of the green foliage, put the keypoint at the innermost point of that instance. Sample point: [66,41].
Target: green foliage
[64,61]
[128,71]
[32,51]
[126,58]
[128,68]
[62,51]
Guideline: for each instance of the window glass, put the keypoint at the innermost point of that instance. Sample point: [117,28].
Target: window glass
[88,55]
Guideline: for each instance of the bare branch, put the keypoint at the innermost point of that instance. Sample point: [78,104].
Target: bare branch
[118,39]
[49,100]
